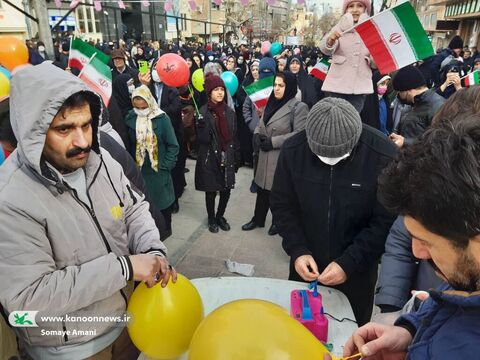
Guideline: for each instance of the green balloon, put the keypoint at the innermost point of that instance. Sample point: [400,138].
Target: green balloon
[276,48]
[197,79]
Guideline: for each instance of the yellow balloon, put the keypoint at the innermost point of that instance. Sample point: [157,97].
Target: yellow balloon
[197,79]
[164,319]
[4,85]
[253,330]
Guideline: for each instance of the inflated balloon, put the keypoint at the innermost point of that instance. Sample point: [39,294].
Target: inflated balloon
[13,52]
[276,48]
[164,319]
[5,72]
[296,51]
[253,329]
[4,85]
[231,82]
[197,79]
[266,45]
[173,70]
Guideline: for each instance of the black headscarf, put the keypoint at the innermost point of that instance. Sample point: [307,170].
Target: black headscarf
[274,104]
[121,93]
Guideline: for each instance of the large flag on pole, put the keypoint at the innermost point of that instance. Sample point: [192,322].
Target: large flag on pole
[260,91]
[472,79]
[81,52]
[98,77]
[395,38]
[320,70]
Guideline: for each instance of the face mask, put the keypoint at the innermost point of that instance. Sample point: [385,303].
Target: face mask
[155,76]
[211,58]
[41,48]
[332,161]
[142,112]
[240,61]
[382,90]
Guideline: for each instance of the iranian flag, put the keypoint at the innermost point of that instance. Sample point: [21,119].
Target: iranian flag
[395,38]
[320,70]
[260,91]
[472,79]
[81,52]
[98,77]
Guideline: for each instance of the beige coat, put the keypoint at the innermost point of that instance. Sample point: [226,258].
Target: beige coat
[351,68]
[279,129]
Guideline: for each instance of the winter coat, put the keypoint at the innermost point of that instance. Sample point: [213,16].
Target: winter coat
[74,249]
[133,174]
[350,71]
[332,212]
[281,126]
[209,174]
[371,112]
[445,326]
[400,271]
[437,62]
[414,122]
[128,70]
[250,114]
[159,183]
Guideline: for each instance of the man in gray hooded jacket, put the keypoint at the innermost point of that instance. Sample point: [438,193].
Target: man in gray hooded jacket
[74,232]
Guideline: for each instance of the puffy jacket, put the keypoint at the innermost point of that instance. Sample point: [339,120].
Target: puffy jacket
[414,122]
[445,326]
[59,255]
[400,272]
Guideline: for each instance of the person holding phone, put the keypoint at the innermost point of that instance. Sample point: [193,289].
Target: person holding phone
[452,72]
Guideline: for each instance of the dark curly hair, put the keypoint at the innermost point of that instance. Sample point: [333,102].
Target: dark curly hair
[436,181]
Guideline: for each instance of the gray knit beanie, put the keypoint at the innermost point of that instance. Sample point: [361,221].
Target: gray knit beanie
[333,127]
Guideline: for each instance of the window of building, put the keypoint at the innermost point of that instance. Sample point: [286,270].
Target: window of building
[433,19]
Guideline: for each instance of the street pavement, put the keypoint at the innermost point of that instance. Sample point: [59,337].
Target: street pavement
[195,252]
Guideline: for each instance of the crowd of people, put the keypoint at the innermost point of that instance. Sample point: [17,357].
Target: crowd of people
[358,167]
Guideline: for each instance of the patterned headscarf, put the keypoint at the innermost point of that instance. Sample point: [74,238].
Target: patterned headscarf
[146,140]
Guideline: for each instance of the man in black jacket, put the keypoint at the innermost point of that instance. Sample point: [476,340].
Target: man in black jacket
[412,90]
[324,201]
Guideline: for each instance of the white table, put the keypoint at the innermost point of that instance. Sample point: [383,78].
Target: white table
[218,291]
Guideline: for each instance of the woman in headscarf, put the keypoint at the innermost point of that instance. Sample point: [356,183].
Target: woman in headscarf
[155,148]
[139,56]
[250,113]
[284,116]
[307,84]
[123,86]
[217,152]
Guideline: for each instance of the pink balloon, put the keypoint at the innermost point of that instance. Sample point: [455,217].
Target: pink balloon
[271,2]
[266,45]
[173,70]
[296,51]
[244,2]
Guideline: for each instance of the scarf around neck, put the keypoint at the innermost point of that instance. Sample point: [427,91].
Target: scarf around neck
[146,140]
[221,123]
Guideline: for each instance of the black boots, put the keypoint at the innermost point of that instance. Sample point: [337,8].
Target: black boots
[218,222]
[222,223]
[212,225]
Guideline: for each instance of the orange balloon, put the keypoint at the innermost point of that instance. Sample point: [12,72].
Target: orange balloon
[13,52]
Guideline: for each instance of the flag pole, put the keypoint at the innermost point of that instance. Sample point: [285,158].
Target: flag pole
[85,66]
[70,52]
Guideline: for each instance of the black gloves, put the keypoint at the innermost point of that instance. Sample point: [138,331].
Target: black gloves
[266,143]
